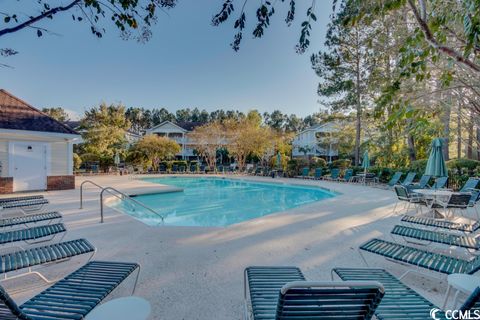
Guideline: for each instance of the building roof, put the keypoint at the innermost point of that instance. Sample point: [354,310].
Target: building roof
[182,126]
[331,126]
[16,114]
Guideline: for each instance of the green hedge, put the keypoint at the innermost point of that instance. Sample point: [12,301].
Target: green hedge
[462,164]
[419,166]
[341,163]
[180,163]
[318,163]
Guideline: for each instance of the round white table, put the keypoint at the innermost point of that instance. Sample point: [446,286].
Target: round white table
[464,283]
[433,192]
[127,308]
[431,196]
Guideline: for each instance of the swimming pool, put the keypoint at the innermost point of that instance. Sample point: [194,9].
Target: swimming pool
[210,201]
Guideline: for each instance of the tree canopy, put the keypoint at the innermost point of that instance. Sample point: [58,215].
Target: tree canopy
[151,149]
[57,113]
[104,130]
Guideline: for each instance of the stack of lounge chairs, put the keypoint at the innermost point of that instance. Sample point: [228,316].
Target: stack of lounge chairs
[421,184]
[74,296]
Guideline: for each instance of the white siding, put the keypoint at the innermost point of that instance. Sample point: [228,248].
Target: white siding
[4,158]
[59,156]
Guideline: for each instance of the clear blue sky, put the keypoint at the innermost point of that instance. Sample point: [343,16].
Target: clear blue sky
[187,63]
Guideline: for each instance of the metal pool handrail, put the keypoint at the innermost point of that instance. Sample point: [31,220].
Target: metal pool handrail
[122,196]
[118,194]
[81,190]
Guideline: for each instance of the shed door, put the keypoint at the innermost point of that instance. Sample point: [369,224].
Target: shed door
[29,166]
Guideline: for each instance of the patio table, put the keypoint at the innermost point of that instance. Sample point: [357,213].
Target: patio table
[363,178]
[460,282]
[431,197]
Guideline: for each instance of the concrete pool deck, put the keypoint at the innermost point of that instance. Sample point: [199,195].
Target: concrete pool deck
[197,272]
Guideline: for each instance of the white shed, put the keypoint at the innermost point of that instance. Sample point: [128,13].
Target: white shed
[36,151]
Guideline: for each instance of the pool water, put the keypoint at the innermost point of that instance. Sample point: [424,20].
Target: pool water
[208,201]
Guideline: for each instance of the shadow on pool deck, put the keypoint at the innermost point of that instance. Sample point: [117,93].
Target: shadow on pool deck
[197,272]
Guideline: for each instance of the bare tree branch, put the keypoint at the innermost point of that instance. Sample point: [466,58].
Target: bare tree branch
[434,43]
[33,20]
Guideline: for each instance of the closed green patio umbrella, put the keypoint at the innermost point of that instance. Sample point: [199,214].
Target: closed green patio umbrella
[279,160]
[436,165]
[366,161]
[116,159]
[365,165]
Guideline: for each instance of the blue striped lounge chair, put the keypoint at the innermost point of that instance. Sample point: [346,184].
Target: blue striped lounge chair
[396,177]
[305,172]
[26,205]
[408,179]
[274,293]
[30,219]
[442,237]
[37,256]
[33,234]
[334,175]
[400,301]
[347,176]
[421,184]
[73,297]
[440,183]
[21,198]
[470,184]
[318,173]
[442,224]
[420,258]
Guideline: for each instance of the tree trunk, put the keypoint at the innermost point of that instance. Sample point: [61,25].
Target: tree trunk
[358,125]
[469,148]
[446,130]
[412,155]
[478,143]
[459,131]
[358,128]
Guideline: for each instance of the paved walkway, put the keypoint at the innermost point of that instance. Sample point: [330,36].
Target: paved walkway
[197,273]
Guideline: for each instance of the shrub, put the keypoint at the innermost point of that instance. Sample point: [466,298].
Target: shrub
[77,161]
[294,166]
[419,166]
[88,157]
[106,162]
[179,163]
[463,166]
[165,164]
[341,163]
[318,162]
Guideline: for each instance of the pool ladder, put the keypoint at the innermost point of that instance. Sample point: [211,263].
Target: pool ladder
[118,194]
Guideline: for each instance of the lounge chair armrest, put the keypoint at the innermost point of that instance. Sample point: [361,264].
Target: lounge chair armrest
[331,284]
